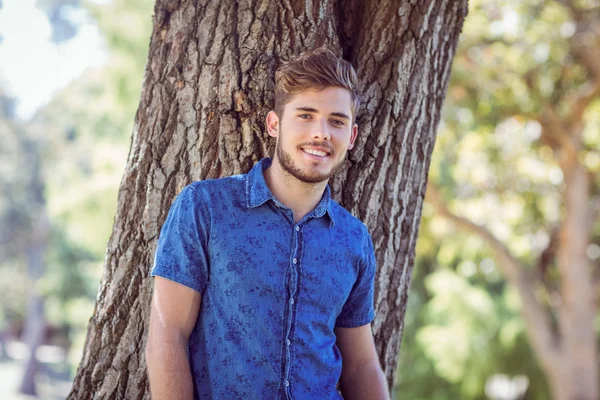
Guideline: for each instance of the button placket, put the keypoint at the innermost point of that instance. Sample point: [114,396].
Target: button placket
[293,282]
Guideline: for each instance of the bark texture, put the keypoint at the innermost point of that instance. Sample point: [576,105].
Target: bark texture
[207,89]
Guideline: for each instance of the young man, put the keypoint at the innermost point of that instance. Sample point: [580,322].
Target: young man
[263,284]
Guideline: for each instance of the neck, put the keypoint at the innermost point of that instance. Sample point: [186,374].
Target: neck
[297,195]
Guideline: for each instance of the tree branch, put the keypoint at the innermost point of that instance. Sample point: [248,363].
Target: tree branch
[585,47]
[596,283]
[561,86]
[594,207]
[584,44]
[585,96]
[554,132]
[537,322]
[547,256]
[575,11]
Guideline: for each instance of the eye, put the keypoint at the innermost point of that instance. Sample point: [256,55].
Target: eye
[304,116]
[338,122]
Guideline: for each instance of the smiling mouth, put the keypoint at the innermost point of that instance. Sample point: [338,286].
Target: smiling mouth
[318,153]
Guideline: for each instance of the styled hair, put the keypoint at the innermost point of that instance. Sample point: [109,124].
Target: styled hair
[316,69]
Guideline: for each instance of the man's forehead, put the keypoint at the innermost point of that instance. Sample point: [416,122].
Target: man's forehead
[332,100]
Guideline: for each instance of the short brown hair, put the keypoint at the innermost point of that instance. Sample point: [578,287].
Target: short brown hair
[316,69]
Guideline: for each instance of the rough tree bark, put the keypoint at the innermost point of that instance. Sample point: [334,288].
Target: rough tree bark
[207,88]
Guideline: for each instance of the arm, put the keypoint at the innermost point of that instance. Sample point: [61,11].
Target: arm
[173,315]
[362,377]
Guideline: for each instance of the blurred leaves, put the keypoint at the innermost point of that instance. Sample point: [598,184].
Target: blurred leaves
[82,140]
[493,164]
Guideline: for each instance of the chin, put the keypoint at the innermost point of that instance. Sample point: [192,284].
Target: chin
[305,168]
[309,175]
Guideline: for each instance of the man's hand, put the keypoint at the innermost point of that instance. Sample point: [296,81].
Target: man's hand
[362,377]
[173,316]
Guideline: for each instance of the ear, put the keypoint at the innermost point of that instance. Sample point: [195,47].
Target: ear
[353,136]
[272,124]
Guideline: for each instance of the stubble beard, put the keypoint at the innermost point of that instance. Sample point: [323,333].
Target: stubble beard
[288,165]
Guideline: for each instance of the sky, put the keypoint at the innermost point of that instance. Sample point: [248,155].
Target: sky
[32,67]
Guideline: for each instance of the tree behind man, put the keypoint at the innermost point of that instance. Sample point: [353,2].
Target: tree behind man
[207,88]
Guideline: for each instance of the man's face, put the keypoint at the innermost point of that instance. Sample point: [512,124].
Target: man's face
[314,134]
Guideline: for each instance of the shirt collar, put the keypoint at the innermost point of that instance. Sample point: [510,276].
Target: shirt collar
[258,193]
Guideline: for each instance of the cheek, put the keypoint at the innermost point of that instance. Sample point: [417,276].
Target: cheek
[342,138]
[293,133]
[286,139]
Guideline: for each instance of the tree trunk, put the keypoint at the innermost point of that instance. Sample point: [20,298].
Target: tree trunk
[34,329]
[578,376]
[33,337]
[567,353]
[207,89]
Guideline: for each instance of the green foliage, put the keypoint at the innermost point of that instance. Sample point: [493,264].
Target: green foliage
[12,292]
[463,324]
[126,27]
[90,123]
[492,165]
[83,138]
[67,270]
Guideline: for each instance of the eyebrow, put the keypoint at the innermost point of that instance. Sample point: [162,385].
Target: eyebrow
[314,110]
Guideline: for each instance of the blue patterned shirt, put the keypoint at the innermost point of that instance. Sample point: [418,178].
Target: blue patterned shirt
[272,290]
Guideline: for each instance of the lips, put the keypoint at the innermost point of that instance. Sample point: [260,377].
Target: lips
[316,150]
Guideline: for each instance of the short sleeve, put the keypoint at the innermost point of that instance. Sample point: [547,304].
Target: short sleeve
[181,254]
[359,309]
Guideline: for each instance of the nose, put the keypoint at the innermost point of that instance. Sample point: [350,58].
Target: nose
[320,130]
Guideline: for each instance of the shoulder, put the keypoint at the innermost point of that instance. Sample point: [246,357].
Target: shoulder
[346,221]
[231,187]
[221,195]
[227,182]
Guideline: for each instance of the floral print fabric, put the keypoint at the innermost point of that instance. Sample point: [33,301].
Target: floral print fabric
[272,290]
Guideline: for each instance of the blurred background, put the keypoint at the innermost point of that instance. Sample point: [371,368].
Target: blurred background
[70,79]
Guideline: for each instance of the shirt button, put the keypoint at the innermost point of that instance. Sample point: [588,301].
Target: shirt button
[287,383]
[287,341]
[291,301]
[297,228]
[295,261]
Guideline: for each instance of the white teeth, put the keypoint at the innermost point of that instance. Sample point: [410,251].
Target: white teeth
[315,152]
